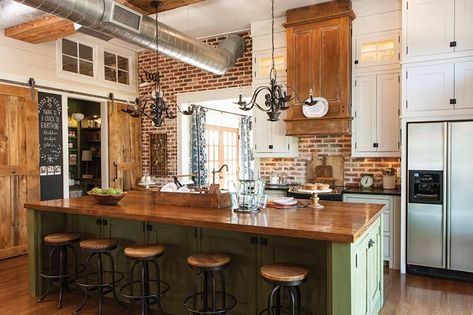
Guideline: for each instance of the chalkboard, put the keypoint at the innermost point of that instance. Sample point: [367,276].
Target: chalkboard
[51,168]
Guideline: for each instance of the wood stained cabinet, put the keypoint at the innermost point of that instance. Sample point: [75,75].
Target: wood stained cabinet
[319,58]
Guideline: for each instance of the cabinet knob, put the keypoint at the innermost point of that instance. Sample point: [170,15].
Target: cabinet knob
[356,62]
[371,243]
[271,146]
[375,145]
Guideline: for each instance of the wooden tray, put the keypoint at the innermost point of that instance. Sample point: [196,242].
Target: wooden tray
[192,200]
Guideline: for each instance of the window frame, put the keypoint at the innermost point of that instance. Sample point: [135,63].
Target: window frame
[107,51]
[78,42]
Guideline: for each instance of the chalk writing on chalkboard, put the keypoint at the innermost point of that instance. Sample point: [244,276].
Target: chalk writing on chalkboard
[50,127]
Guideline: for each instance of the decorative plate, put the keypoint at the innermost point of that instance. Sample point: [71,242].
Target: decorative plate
[320,109]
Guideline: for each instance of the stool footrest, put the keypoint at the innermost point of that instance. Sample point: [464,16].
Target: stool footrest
[54,274]
[106,283]
[229,304]
[164,288]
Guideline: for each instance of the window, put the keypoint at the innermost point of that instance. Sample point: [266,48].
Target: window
[77,58]
[222,148]
[116,68]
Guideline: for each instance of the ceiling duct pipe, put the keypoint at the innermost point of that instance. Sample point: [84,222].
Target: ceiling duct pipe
[13,13]
[119,21]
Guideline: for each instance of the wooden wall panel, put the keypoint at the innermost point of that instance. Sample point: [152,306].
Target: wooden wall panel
[19,175]
[124,148]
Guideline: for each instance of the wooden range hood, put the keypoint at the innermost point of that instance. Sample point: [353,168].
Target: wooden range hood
[319,58]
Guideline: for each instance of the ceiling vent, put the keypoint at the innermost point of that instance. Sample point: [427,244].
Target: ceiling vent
[125,17]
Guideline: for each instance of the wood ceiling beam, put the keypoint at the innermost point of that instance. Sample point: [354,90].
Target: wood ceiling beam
[43,29]
[145,5]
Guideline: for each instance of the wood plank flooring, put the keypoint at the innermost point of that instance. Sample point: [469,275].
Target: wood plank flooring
[404,294]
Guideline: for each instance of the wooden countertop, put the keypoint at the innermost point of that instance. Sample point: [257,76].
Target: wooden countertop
[338,221]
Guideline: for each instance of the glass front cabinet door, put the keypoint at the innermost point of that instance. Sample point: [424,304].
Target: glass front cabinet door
[380,49]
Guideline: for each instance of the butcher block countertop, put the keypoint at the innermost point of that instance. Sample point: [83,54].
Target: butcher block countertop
[337,222]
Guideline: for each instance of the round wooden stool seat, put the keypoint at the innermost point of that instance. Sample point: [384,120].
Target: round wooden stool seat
[284,273]
[98,245]
[144,251]
[208,260]
[62,238]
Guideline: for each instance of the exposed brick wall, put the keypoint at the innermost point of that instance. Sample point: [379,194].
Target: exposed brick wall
[295,168]
[178,77]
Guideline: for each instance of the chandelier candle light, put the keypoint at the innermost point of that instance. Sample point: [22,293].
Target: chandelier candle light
[275,101]
[159,109]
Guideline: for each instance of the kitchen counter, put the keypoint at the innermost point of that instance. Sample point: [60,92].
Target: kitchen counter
[341,245]
[341,222]
[374,191]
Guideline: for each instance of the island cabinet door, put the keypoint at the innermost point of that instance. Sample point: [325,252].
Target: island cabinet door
[125,232]
[241,275]
[124,149]
[367,273]
[309,253]
[19,173]
[179,242]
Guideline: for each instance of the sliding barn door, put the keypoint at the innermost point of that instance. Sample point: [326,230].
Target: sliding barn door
[19,166]
[124,147]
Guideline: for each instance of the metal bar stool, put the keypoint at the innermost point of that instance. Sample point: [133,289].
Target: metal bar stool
[285,279]
[61,276]
[205,301]
[98,248]
[143,255]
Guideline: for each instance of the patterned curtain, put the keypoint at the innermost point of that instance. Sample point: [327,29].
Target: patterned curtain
[199,146]
[245,148]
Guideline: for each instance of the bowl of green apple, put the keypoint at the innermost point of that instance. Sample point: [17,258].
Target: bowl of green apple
[107,196]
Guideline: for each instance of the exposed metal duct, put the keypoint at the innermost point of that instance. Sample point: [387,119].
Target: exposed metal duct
[13,13]
[116,20]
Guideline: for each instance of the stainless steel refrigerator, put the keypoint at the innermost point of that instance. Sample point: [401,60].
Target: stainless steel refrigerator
[440,197]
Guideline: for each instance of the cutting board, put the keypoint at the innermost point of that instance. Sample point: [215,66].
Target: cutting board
[337,164]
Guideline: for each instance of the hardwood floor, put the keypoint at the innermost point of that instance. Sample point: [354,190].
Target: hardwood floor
[419,295]
[404,294]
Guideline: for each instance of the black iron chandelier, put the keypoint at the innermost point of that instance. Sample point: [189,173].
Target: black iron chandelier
[159,109]
[276,99]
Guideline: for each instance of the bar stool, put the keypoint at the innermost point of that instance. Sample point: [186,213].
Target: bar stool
[207,265]
[143,255]
[98,248]
[288,278]
[60,242]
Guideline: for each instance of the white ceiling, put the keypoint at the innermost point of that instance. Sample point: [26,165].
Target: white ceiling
[213,17]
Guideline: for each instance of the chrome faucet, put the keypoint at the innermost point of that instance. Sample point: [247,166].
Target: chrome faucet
[219,171]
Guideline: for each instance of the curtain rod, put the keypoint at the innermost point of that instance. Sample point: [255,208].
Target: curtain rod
[223,111]
[59,90]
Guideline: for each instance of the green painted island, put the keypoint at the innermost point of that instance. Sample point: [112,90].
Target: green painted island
[341,244]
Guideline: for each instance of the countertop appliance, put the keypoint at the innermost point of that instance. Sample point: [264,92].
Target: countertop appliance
[439,211]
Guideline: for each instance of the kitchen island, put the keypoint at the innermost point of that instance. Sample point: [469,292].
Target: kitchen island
[341,244]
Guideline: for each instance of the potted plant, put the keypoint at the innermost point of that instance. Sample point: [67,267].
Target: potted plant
[389,178]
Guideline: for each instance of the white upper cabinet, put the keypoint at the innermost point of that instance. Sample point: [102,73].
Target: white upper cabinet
[387,116]
[430,27]
[464,24]
[429,87]
[464,84]
[377,49]
[365,113]
[376,122]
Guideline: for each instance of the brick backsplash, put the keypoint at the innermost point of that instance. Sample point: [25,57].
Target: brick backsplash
[178,77]
[296,168]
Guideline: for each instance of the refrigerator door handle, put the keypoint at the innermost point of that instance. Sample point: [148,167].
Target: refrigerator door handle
[447,193]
